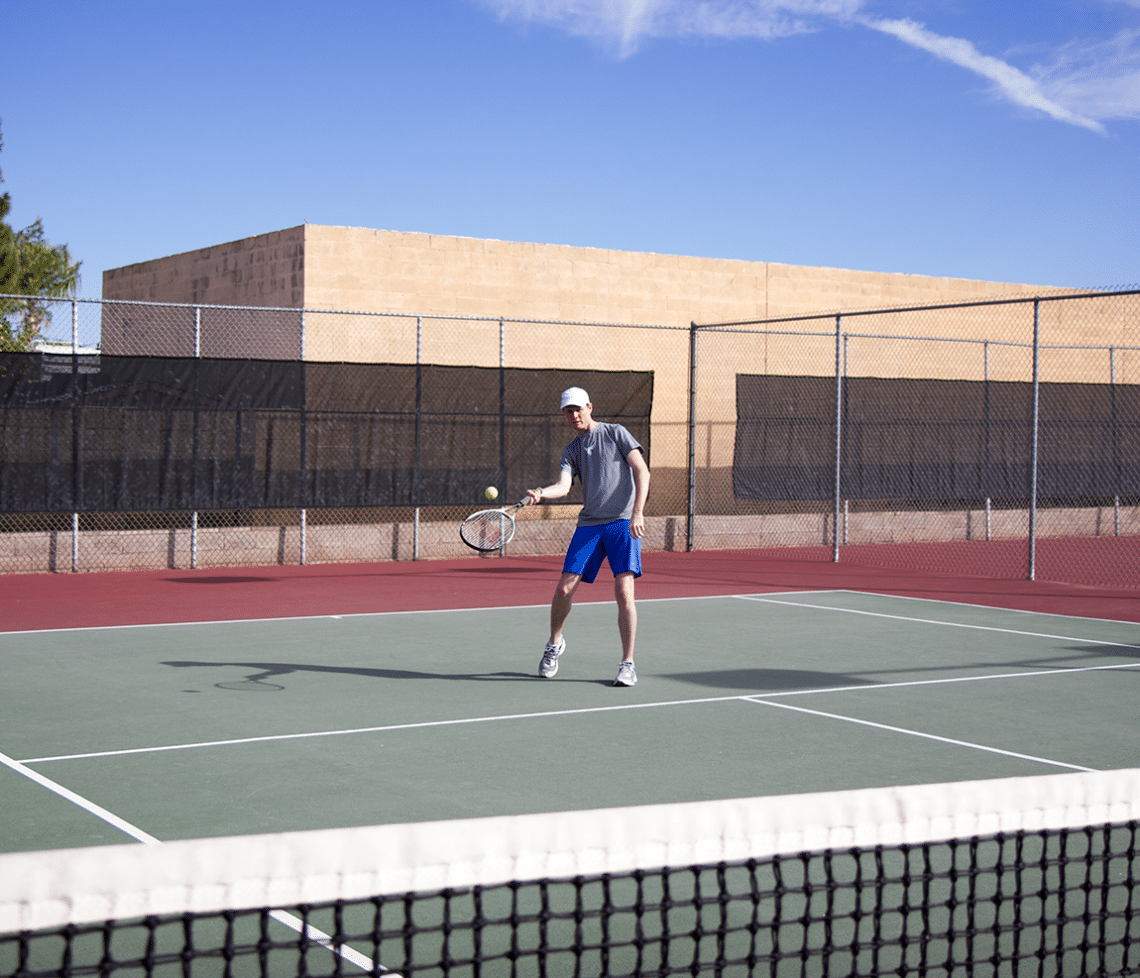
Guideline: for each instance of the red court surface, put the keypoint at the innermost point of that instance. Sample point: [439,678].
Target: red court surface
[43,601]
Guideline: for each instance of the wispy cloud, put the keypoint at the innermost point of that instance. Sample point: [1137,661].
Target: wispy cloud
[627,24]
[1101,79]
[1012,83]
[1084,84]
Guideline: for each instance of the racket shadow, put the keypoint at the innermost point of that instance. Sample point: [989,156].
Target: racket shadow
[264,672]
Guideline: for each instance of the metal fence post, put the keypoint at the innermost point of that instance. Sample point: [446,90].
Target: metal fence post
[1033,447]
[303,529]
[418,435]
[194,460]
[986,407]
[691,513]
[76,479]
[501,475]
[839,347]
[1115,441]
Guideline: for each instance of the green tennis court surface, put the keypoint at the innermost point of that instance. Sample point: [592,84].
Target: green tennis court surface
[217,729]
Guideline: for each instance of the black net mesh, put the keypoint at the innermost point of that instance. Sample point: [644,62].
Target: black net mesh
[1055,901]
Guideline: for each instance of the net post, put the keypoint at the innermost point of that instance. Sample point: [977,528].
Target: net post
[194,540]
[74,542]
[691,513]
[1034,444]
[839,348]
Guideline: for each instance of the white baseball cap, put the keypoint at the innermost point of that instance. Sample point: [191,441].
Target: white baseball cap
[575,397]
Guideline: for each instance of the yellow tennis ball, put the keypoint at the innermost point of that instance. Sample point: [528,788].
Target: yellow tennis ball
[491,493]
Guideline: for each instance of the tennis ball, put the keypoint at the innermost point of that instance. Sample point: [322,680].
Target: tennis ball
[491,493]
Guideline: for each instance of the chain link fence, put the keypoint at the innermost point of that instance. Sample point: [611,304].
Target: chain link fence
[212,436]
[997,438]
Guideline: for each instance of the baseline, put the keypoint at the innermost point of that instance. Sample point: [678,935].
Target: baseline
[947,624]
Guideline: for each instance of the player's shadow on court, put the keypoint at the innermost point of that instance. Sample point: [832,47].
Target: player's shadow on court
[768,680]
[263,679]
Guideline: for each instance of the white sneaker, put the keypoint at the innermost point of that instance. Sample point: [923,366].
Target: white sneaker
[549,664]
[627,675]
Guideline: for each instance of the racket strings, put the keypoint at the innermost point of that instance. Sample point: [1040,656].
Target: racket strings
[487,531]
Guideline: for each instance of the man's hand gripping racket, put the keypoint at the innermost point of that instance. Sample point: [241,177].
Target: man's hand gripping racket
[490,529]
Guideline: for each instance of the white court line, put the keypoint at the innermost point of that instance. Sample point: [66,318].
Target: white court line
[862,687]
[379,729]
[762,596]
[295,923]
[971,604]
[918,733]
[581,602]
[86,804]
[932,621]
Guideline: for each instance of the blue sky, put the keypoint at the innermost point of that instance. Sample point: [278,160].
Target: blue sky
[986,140]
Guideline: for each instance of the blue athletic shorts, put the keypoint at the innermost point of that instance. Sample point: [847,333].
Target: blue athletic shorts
[610,540]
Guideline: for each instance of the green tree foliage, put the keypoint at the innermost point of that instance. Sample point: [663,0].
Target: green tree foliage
[32,268]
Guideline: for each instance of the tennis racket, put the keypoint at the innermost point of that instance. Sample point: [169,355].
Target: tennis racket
[489,529]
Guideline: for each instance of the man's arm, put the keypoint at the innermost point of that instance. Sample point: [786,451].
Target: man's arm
[555,491]
[640,469]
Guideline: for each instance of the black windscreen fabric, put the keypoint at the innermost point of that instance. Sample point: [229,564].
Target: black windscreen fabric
[933,439]
[105,434]
[785,438]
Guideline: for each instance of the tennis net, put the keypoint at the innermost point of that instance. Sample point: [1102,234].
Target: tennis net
[1023,876]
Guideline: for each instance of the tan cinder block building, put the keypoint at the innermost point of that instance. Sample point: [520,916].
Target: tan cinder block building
[317,267]
[320,267]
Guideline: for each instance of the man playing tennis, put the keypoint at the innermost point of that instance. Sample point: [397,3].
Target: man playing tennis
[611,466]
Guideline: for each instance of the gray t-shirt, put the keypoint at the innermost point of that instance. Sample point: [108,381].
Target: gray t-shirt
[598,459]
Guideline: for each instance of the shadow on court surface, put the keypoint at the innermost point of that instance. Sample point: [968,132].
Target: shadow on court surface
[267,671]
[767,679]
[231,728]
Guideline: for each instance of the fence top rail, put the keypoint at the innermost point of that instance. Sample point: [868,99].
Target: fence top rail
[338,312]
[830,334]
[967,339]
[931,339]
[975,303]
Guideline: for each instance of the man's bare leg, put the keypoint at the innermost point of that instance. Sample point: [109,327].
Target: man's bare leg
[561,604]
[627,613]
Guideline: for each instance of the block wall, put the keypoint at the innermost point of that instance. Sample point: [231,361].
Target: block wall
[265,270]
